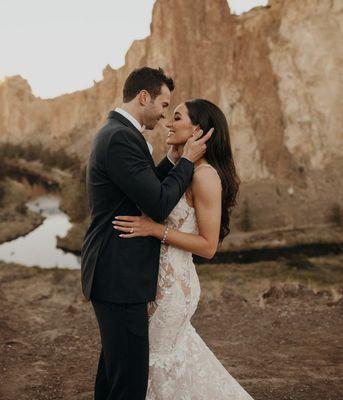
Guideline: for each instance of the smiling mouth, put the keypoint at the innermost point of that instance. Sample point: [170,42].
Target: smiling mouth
[170,133]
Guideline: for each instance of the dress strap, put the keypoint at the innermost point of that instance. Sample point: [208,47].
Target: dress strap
[205,165]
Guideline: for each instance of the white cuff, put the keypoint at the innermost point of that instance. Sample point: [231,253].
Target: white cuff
[187,159]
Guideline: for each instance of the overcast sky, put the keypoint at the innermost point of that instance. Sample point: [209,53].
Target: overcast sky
[62,46]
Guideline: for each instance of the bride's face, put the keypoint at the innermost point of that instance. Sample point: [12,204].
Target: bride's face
[180,126]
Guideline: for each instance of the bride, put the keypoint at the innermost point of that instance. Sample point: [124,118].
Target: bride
[181,366]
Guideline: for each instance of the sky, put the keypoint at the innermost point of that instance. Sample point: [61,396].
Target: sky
[63,46]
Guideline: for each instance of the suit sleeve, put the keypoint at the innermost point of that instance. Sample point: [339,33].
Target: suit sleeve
[163,168]
[129,168]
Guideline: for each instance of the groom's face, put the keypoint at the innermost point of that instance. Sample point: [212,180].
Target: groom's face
[155,109]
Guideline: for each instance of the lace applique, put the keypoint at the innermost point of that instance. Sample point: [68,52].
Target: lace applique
[182,367]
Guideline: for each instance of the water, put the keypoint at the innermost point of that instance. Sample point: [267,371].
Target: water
[38,248]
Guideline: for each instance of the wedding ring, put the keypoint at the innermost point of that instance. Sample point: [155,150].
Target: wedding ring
[131,230]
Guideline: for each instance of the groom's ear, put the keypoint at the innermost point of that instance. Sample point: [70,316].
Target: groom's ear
[143,97]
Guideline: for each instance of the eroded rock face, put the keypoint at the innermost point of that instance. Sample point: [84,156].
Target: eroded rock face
[275,73]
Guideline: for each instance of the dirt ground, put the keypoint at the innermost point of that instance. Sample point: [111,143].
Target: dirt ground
[276,326]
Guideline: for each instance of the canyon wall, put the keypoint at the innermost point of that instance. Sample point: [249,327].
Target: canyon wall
[275,72]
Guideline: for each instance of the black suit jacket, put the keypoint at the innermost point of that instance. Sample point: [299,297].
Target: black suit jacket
[122,180]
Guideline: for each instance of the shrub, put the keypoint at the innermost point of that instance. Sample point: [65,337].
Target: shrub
[74,197]
[300,262]
[336,214]
[35,151]
[21,209]
[3,169]
[246,224]
[2,193]
[59,158]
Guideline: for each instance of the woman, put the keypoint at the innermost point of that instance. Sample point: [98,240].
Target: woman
[181,365]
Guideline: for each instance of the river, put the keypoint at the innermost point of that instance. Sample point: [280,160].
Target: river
[38,248]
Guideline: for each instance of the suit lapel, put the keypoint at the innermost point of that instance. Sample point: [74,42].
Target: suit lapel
[126,122]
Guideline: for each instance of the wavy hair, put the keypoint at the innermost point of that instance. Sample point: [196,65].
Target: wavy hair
[218,153]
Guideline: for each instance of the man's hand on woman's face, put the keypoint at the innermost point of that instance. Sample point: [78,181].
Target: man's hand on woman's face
[195,147]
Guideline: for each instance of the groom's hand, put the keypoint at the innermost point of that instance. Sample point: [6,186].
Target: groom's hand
[195,148]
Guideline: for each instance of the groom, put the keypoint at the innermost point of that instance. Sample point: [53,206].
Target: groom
[119,276]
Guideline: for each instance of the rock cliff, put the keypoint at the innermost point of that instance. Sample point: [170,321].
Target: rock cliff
[275,72]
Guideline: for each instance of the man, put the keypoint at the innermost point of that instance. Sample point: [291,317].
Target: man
[120,276]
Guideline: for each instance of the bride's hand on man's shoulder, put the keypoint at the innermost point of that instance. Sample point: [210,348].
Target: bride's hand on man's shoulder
[133,226]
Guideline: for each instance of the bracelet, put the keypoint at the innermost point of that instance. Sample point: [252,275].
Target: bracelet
[163,241]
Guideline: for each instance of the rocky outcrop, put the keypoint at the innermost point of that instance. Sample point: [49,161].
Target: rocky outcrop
[275,72]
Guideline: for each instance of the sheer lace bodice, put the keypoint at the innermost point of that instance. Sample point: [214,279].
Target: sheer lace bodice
[182,367]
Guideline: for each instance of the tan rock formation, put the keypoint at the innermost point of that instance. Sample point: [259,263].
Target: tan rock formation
[275,72]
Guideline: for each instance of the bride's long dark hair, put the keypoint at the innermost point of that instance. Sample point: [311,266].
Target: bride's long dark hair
[219,154]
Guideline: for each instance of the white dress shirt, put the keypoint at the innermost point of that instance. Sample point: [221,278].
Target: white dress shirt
[135,123]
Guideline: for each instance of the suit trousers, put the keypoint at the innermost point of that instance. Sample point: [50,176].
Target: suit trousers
[124,358]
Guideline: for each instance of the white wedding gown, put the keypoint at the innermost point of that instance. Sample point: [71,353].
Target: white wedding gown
[181,366]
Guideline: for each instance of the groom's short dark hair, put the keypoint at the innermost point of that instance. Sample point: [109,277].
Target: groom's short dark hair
[150,79]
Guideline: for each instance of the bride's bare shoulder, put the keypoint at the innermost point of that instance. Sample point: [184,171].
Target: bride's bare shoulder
[206,178]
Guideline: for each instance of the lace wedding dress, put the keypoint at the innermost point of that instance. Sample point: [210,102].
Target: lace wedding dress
[181,366]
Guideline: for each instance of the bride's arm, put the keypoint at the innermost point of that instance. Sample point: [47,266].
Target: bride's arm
[206,190]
